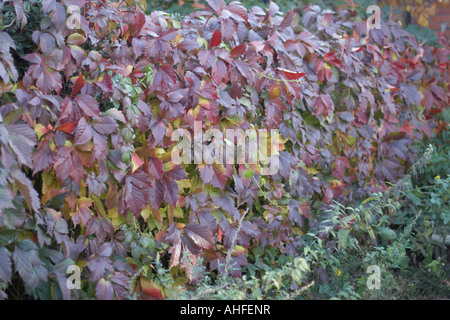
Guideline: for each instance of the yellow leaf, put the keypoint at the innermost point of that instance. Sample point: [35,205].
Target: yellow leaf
[177,38]
[116,219]
[99,205]
[185,183]
[274,93]
[311,170]
[335,183]
[136,162]
[40,130]
[81,264]
[146,212]
[203,102]
[85,202]
[422,20]
[178,212]
[432,9]
[394,56]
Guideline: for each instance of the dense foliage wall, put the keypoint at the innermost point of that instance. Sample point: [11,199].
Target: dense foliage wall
[85,133]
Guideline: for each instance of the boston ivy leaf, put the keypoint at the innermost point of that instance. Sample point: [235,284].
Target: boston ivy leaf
[139,21]
[188,45]
[226,202]
[88,105]
[83,133]
[5,198]
[43,156]
[100,150]
[26,189]
[347,116]
[274,110]
[156,167]
[291,75]
[98,267]
[213,174]
[176,173]
[121,284]
[68,163]
[158,128]
[323,104]
[171,191]
[5,265]
[106,125]
[27,262]
[339,167]
[7,235]
[238,50]
[216,39]
[22,140]
[294,213]
[136,191]
[200,235]
[78,84]
[104,290]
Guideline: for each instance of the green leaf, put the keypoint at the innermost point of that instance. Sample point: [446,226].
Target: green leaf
[367,200]
[387,233]
[342,236]
[7,235]
[248,174]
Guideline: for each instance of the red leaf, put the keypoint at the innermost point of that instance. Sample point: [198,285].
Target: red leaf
[339,167]
[216,39]
[156,194]
[305,210]
[25,187]
[43,156]
[136,193]
[213,174]
[171,191]
[156,167]
[67,127]
[151,290]
[105,126]
[83,134]
[238,51]
[331,57]
[188,45]
[408,128]
[169,34]
[200,235]
[139,22]
[327,195]
[88,105]
[292,75]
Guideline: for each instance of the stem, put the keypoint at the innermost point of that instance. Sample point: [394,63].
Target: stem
[265,194]
[280,80]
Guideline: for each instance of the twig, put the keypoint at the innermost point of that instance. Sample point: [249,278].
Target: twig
[264,194]
[233,245]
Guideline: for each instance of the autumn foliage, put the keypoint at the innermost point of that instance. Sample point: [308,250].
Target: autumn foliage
[85,135]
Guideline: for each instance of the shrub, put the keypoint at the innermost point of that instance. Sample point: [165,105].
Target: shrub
[87,176]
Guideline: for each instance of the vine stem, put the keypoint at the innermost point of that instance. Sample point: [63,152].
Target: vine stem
[280,80]
[265,194]
[233,245]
